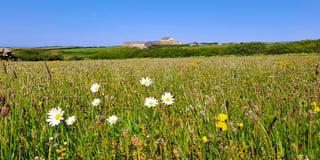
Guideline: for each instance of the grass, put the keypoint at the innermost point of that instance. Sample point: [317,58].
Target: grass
[270,95]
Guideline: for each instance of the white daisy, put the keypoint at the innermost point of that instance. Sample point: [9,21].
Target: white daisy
[71,120]
[55,115]
[167,98]
[96,102]
[146,81]
[112,119]
[95,87]
[151,102]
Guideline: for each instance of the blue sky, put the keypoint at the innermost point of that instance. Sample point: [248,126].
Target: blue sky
[34,23]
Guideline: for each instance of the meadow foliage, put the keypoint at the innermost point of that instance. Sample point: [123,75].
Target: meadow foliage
[254,107]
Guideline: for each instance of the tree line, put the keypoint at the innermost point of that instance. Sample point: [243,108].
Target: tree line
[170,51]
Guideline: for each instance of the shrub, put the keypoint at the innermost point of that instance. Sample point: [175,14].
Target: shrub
[39,55]
[278,48]
[117,54]
[251,48]
[52,55]
[75,58]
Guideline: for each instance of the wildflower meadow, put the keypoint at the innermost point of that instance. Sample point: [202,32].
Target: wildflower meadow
[251,107]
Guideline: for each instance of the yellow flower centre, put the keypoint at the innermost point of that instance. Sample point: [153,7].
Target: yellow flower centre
[97,103]
[167,99]
[57,117]
[145,82]
[150,103]
[113,121]
[96,88]
[72,121]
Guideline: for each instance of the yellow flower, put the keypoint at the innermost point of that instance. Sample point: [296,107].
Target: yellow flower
[283,64]
[222,117]
[240,124]
[222,125]
[316,109]
[286,63]
[313,104]
[39,103]
[205,139]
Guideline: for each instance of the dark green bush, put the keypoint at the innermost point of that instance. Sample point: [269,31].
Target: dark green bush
[304,46]
[118,54]
[75,58]
[278,48]
[52,56]
[38,55]
[251,48]
[229,50]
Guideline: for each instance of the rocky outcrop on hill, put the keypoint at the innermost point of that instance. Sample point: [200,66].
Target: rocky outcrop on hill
[6,53]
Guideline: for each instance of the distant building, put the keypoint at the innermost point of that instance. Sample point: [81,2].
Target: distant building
[169,40]
[139,44]
[144,44]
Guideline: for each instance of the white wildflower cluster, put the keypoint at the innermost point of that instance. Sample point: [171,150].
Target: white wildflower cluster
[56,115]
[167,98]
[95,88]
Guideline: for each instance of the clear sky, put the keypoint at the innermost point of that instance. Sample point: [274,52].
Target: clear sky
[34,23]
